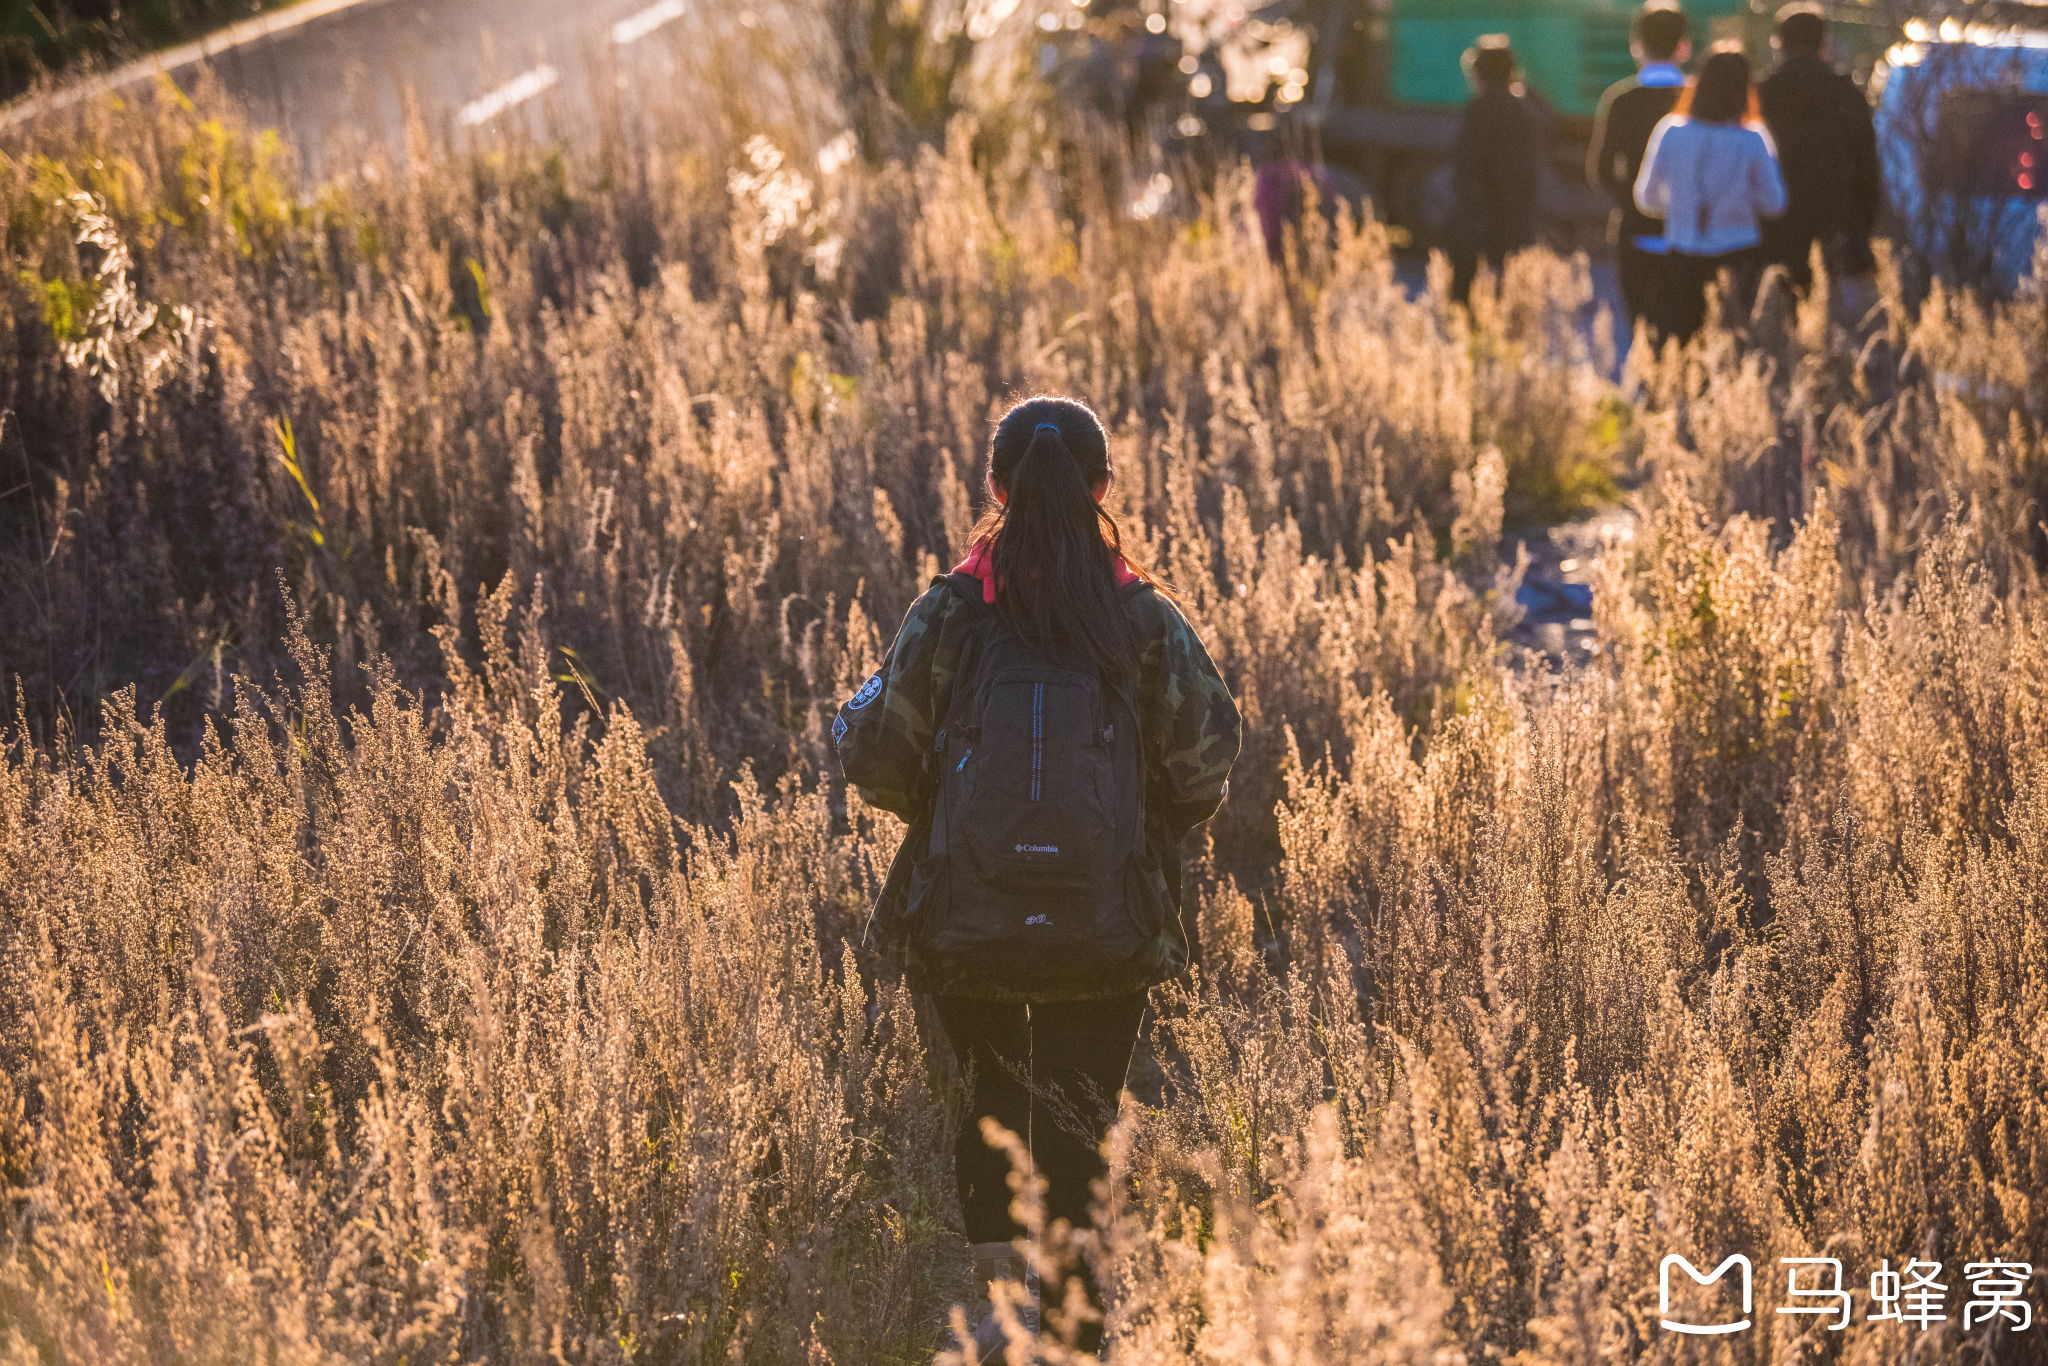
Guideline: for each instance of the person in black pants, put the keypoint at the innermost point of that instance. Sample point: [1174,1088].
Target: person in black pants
[1621,131]
[1072,1056]
[1051,727]
[1496,164]
[1827,152]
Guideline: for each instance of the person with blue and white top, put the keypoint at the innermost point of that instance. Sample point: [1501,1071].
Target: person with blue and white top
[1711,173]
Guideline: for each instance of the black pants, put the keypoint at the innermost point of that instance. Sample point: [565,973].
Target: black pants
[1845,254]
[1682,281]
[1635,270]
[1464,270]
[1465,266]
[1081,1048]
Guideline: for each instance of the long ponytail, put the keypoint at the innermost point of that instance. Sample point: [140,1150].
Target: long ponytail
[1052,548]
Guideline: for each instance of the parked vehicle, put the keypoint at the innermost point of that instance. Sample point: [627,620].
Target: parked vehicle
[1570,50]
[1962,126]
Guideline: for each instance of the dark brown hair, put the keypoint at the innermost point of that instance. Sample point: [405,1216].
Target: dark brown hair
[1051,547]
[1721,92]
[1802,28]
[1491,62]
[1660,29]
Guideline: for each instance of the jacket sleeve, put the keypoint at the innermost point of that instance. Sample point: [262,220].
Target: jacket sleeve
[1475,154]
[1866,180]
[1767,183]
[1653,187]
[1466,154]
[884,731]
[1192,729]
[1600,154]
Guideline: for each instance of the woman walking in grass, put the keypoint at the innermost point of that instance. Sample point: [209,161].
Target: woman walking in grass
[1711,174]
[1051,727]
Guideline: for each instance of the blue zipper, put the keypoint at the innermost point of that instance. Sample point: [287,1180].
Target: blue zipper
[1037,737]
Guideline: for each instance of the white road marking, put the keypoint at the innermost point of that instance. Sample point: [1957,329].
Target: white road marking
[234,36]
[518,89]
[634,27]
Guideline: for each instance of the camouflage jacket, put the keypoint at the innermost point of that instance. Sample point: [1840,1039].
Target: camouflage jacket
[884,733]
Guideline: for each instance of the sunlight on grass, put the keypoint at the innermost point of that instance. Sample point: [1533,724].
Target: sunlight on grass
[431,922]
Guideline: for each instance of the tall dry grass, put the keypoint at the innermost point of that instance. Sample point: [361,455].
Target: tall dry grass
[430,918]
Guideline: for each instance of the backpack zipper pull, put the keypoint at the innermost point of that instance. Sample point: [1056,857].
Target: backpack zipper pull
[1107,737]
[939,743]
[963,761]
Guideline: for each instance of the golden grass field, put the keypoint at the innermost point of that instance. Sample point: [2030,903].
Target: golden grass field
[430,912]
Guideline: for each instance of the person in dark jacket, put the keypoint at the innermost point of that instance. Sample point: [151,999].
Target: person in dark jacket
[1497,166]
[1827,152]
[1621,130]
[1046,564]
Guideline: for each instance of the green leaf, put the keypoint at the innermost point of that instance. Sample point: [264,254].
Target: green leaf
[288,454]
[483,286]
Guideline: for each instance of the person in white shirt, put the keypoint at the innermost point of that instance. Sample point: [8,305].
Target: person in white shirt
[1711,173]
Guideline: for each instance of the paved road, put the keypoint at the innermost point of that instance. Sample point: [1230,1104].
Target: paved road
[342,74]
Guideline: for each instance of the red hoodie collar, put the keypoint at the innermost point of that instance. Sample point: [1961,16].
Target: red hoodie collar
[977,564]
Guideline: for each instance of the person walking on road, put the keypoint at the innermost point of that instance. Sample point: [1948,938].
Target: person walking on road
[1621,133]
[1497,163]
[1827,152]
[1711,174]
[1052,728]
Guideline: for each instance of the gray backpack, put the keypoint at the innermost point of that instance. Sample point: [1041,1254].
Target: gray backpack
[1034,872]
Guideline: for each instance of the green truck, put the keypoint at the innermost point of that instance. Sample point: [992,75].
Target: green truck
[1571,50]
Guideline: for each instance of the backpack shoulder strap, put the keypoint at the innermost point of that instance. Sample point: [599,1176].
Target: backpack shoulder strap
[965,587]
[980,615]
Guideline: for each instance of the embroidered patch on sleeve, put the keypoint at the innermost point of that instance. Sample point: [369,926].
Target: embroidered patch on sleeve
[838,729]
[869,691]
